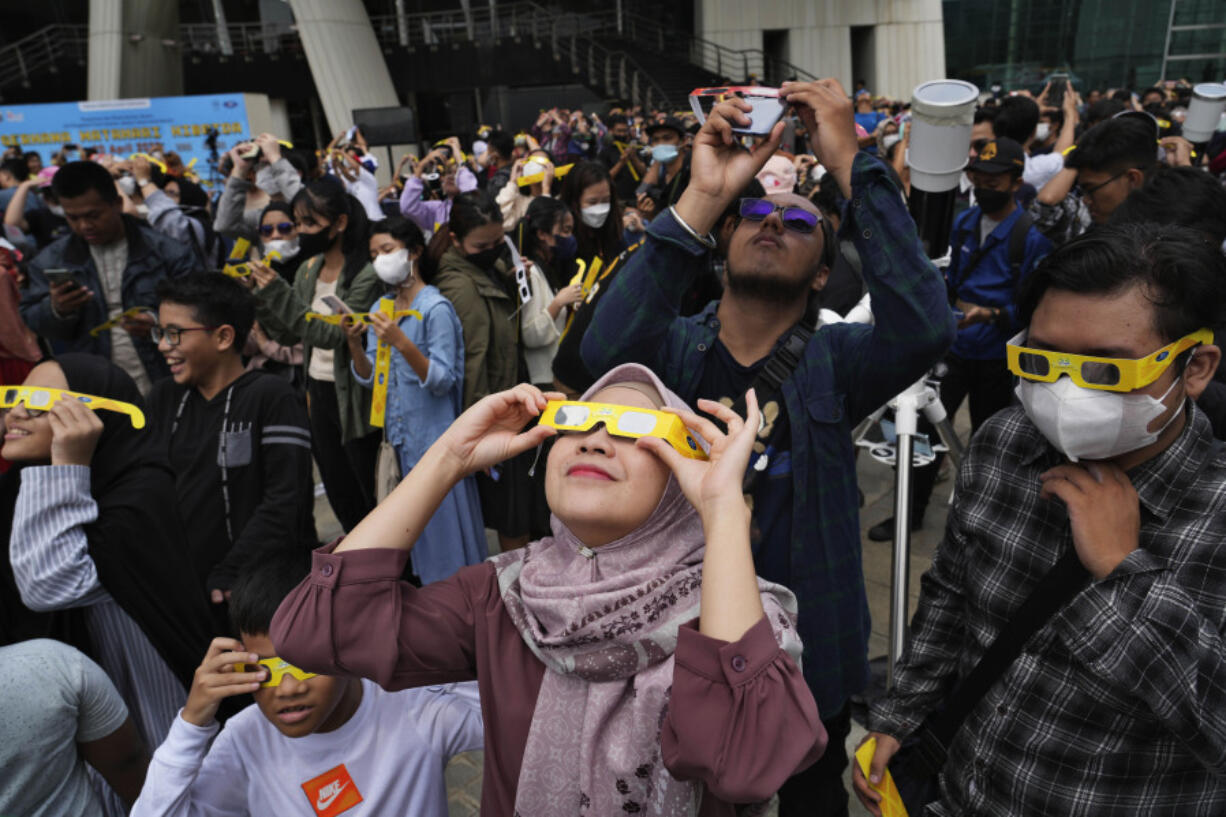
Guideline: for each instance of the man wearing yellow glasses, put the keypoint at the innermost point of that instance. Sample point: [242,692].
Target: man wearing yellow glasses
[1107,481]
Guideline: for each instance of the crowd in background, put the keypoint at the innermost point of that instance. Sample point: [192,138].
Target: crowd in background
[252,312]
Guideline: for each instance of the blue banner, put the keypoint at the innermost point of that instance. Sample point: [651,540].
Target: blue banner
[121,127]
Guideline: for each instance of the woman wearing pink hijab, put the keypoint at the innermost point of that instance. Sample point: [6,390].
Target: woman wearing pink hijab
[630,663]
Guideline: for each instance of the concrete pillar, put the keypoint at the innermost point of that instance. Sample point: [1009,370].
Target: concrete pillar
[345,59]
[133,49]
[105,48]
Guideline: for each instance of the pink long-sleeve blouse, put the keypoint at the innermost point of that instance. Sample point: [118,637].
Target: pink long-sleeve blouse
[741,719]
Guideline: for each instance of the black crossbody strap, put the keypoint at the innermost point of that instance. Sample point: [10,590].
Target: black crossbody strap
[769,380]
[1057,587]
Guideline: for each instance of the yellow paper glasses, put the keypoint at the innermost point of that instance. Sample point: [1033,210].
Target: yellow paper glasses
[39,399]
[1089,372]
[277,669]
[623,421]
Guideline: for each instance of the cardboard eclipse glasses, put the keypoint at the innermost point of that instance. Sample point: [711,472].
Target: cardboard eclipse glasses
[278,668]
[623,421]
[39,399]
[1089,372]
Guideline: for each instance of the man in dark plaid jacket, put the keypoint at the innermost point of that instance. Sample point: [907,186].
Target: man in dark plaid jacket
[1117,705]
[806,517]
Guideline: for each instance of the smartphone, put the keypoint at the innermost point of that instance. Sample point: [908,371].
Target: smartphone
[1055,94]
[337,306]
[768,108]
[59,276]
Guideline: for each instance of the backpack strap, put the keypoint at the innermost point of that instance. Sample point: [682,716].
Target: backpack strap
[1017,244]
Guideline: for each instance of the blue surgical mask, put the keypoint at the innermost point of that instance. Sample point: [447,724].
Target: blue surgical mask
[566,248]
[663,153]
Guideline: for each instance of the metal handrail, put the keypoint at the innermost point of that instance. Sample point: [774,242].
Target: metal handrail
[729,63]
[42,48]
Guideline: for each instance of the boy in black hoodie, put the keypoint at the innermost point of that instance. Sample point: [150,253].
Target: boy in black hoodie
[239,442]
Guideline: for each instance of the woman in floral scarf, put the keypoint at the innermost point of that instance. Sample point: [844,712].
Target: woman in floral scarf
[630,663]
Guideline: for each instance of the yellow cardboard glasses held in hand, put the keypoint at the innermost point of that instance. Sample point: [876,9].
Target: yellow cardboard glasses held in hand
[278,668]
[113,322]
[1089,372]
[623,421]
[39,399]
[359,317]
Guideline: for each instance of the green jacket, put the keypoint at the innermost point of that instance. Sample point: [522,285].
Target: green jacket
[489,316]
[281,311]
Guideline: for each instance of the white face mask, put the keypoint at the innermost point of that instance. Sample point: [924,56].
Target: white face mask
[128,185]
[1092,424]
[596,215]
[288,247]
[1042,132]
[394,268]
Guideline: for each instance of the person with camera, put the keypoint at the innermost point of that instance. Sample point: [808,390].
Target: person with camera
[806,532]
[259,173]
[436,175]
[620,155]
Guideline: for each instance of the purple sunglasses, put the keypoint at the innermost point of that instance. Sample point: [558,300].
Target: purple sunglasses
[794,218]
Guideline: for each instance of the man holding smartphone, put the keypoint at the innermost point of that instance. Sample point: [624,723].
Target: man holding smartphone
[109,265]
[805,521]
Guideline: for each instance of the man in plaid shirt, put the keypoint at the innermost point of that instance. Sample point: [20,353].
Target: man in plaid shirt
[1117,705]
[806,531]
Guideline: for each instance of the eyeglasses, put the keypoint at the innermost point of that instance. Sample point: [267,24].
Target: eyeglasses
[1089,372]
[1088,192]
[278,668]
[282,227]
[623,421]
[38,400]
[796,219]
[174,334]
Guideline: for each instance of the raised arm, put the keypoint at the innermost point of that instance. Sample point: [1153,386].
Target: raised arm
[741,718]
[641,307]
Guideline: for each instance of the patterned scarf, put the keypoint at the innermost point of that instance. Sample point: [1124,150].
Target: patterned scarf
[604,622]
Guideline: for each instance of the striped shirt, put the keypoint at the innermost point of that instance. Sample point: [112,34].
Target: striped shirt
[1117,706]
[54,571]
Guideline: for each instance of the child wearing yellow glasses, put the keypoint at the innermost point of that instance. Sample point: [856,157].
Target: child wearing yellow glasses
[311,744]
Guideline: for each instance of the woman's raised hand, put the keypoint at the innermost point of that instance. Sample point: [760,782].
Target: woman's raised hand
[75,430]
[711,484]
[489,432]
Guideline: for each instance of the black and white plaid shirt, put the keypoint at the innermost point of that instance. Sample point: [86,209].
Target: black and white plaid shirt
[1117,706]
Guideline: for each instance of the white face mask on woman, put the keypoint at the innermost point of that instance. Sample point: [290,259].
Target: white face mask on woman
[1093,424]
[287,247]
[394,268]
[596,215]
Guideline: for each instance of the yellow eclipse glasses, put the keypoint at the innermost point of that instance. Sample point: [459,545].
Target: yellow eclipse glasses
[1089,372]
[40,399]
[623,421]
[113,322]
[278,668]
[358,317]
[243,269]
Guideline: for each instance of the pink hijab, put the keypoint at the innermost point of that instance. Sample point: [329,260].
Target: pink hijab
[605,627]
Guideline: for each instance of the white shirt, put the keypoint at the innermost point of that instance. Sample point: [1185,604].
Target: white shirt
[390,754]
[320,366]
[366,190]
[111,261]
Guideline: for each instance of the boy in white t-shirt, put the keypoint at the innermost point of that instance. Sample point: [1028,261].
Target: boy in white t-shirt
[335,745]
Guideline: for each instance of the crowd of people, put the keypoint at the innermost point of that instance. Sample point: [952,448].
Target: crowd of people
[633,345]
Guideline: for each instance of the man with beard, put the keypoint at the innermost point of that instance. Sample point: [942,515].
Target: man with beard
[813,387]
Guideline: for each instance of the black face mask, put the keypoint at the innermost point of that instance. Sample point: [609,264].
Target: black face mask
[486,259]
[310,244]
[992,201]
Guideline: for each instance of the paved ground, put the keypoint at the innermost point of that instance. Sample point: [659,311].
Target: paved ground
[876,481]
